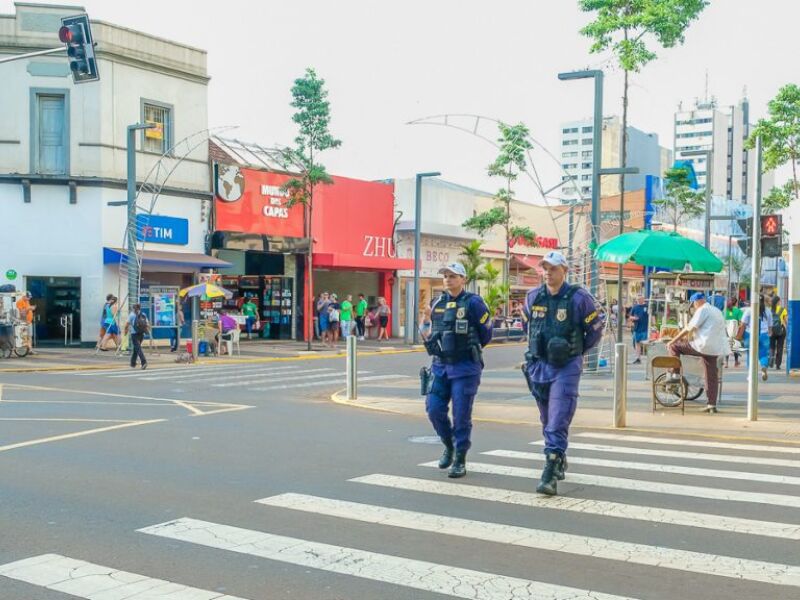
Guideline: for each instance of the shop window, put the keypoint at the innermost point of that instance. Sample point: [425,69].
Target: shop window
[157,139]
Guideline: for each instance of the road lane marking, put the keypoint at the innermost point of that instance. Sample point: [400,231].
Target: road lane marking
[689,455]
[540,539]
[604,508]
[254,378]
[690,443]
[228,375]
[396,570]
[66,420]
[67,436]
[338,381]
[95,582]
[654,467]
[639,485]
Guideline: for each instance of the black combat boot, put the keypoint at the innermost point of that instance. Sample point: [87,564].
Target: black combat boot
[560,471]
[459,467]
[549,483]
[447,455]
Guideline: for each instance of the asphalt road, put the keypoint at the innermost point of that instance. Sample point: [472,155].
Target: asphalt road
[114,483]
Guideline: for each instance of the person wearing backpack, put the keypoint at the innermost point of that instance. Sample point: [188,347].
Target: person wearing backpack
[777,334]
[137,326]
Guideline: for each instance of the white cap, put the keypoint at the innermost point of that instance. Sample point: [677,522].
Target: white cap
[456,268]
[554,258]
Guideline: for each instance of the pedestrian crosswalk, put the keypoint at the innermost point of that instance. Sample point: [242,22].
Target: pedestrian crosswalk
[256,377]
[622,521]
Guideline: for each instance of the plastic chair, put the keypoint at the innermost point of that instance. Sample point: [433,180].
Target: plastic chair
[234,339]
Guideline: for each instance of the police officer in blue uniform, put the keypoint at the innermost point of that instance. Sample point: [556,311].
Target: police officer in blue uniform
[563,323]
[455,327]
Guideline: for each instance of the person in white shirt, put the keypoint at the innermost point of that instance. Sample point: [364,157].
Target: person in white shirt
[709,342]
[764,328]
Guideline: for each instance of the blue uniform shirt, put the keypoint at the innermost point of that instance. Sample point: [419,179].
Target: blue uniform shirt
[586,316]
[640,312]
[478,317]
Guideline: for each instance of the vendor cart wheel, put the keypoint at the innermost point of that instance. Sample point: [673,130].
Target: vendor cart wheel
[668,392]
[693,392]
[22,352]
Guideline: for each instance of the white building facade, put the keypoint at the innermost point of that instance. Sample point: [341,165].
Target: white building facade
[63,166]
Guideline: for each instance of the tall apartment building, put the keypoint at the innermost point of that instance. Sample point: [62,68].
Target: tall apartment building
[643,152]
[723,131]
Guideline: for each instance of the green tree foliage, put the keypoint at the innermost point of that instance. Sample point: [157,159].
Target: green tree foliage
[496,293]
[510,162]
[778,198]
[780,142]
[681,202]
[471,259]
[312,116]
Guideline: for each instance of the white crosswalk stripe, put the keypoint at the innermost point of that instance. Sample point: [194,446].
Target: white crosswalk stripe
[416,574]
[690,443]
[95,582]
[223,375]
[639,485]
[655,467]
[689,455]
[303,374]
[340,380]
[694,562]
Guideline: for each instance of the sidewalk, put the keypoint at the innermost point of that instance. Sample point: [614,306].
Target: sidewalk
[80,359]
[503,398]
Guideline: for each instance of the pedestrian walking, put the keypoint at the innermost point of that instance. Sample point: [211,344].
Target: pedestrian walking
[250,313]
[455,328]
[322,310]
[175,333]
[563,324]
[361,315]
[733,320]
[762,329]
[346,316]
[137,326]
[110,322]
[640,319]
[708,340]
[334,317]
[103,322]
[777,335]
[383,313]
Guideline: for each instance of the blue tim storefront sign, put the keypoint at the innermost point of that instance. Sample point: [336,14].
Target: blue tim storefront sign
[162,230]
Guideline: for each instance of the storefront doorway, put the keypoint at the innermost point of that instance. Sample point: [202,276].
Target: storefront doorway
[53,298]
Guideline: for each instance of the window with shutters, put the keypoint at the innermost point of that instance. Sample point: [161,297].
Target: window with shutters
[157,139]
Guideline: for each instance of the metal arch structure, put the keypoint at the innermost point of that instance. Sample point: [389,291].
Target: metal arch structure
[152,186]
[471,124]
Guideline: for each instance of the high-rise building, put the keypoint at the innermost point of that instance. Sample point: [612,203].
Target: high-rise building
[722,131]
[643,152]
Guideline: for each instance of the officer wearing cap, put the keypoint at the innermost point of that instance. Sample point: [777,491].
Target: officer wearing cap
[563,324]
[455,328]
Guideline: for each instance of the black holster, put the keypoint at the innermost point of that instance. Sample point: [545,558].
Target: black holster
[425,381]
[524,368]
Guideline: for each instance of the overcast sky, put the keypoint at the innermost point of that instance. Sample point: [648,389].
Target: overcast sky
[387,63]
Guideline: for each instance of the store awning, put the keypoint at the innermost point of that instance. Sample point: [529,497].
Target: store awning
[367,263]
[167,259]
[524,261]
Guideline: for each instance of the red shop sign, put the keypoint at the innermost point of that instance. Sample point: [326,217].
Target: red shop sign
[250,201]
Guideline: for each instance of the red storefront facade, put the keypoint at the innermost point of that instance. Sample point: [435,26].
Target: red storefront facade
[353,223]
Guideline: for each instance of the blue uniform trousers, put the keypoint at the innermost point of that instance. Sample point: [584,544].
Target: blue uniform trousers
[557,401]
[462,391]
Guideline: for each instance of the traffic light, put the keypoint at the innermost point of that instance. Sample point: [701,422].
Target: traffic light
[771,235]
[77,36]
[746,243]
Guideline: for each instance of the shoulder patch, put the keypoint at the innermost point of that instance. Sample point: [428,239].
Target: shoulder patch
[485,317]
[592,316]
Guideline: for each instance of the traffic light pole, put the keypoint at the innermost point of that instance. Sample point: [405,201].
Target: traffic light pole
[755,300]
[32,54]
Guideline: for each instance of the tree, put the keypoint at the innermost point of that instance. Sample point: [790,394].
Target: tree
[624,26]
[681,202]
[778,198]
[780,142]
[312,116]
[472,261]
[496,293]
[510,162]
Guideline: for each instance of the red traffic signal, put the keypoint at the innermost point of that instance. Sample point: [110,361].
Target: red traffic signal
[76,33]
[770,225]
[70,34]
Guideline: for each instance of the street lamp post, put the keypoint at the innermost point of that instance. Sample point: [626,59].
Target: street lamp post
[709,155]
[133,264]
[417,240]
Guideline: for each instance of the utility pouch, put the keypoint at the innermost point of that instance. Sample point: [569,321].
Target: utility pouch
[448,342]
[425,381]
[557,351]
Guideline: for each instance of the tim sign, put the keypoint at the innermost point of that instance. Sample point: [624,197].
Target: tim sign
[250,201]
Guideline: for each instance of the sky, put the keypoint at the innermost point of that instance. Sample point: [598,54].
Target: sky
[388,63]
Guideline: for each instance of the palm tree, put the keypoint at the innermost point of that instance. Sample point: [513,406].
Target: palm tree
[472,261]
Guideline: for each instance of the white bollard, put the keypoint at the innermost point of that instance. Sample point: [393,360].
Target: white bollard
[620,384]
[352,367]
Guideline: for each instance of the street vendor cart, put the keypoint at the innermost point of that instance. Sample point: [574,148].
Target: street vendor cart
[14,332]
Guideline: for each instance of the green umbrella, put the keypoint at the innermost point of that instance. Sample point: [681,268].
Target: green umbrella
[663,249]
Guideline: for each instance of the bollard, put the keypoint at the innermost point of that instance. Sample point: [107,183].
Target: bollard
[620,384]
[352,368]
[195,342]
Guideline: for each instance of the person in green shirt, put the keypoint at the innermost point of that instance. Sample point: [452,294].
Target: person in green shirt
[733,313]
[361,313]
[346,316]
[250,310]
